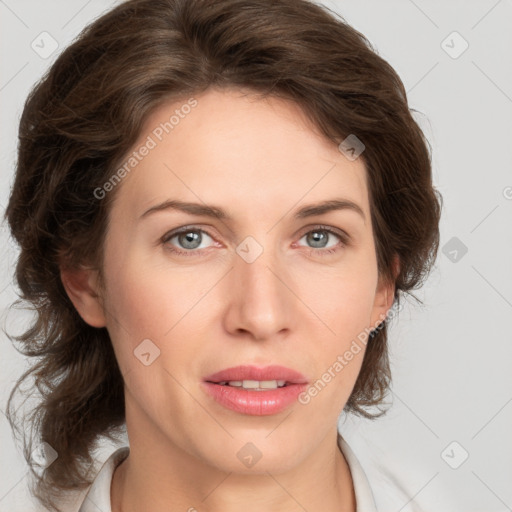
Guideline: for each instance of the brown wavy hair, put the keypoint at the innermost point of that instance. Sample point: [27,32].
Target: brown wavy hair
[84,115]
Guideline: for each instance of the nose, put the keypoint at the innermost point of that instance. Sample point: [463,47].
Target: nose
[260,302]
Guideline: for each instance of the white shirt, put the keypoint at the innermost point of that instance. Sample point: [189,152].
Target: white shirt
[98,496]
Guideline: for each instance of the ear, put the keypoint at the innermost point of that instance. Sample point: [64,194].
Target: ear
[384,296]
[82,288]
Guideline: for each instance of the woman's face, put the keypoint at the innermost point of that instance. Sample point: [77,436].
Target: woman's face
[261,286]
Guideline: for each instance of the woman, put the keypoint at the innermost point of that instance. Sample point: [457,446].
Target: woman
[217,203]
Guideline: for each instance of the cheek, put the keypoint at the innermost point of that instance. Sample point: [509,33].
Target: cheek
[150,302]
[342,300]
[144,295]
[147,318]
[342,348]
[342,304]
[337,353]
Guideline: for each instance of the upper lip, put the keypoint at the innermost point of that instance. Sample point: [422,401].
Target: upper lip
[249,372]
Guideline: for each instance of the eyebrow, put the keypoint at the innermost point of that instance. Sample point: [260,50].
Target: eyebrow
[218,213]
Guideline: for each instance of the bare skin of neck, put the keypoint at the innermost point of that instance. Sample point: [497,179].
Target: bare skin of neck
[339,498]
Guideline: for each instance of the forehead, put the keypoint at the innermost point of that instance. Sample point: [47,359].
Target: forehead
[235,149]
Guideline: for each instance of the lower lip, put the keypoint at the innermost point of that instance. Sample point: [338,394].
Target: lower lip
[256,403]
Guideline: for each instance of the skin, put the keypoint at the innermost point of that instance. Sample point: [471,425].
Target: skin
[260,160]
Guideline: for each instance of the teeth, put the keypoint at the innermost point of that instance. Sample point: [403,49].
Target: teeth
[257,385]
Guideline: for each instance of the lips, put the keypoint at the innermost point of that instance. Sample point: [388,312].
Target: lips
[249,372]
[256,402]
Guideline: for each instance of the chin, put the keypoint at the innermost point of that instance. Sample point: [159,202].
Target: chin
[255,453]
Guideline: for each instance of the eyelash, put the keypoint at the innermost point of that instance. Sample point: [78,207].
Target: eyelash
[193,252]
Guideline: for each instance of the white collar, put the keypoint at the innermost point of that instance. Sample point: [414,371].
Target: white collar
[365,502]
[98,496]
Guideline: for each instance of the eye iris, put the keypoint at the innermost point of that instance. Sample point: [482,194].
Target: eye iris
[314,237]
[190,236]
[192,239]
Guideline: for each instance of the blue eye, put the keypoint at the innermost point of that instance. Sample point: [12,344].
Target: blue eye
[319,236]
[190,238]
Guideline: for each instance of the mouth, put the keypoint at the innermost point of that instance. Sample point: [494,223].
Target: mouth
[257,378]
[255,391]
[254,385]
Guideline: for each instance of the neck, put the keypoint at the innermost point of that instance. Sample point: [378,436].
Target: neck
[160,476]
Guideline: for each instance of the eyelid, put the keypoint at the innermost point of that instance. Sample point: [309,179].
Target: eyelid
[344,237]
[185,229]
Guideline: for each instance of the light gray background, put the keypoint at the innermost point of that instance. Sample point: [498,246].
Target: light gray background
[451,358]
